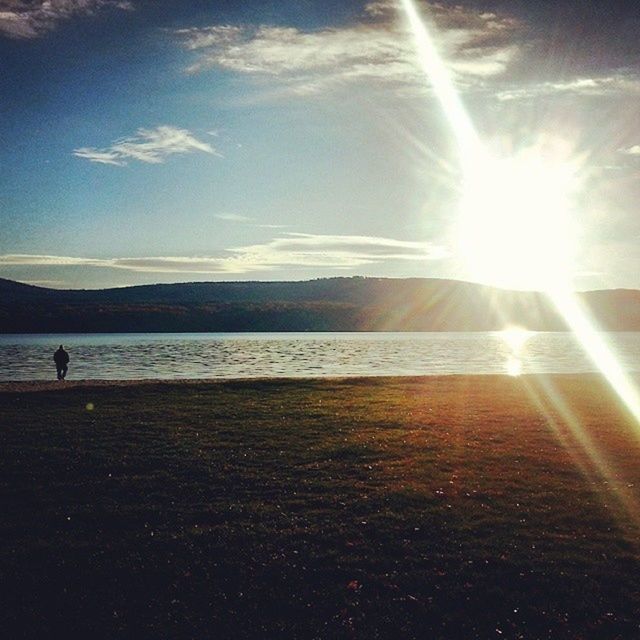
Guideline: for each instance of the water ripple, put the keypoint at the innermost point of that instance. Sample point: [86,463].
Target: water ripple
[215,355]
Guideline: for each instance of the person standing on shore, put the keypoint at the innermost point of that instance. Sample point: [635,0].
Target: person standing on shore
[61,358]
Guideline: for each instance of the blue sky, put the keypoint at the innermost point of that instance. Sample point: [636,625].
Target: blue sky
[177,141]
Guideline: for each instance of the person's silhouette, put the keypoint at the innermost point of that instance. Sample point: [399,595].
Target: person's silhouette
[61,358]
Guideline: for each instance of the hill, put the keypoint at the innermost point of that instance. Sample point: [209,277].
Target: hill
[331,304]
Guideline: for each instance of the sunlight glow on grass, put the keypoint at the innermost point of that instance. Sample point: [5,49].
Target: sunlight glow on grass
[599,351]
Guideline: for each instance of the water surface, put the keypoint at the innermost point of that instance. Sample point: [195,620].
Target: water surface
[245,355]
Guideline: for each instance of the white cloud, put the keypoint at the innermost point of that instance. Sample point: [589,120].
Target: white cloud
[25,259]
[631,151]
[52,284]
[335,251]
[233,217]
[381,7]
[148,145]
[32,18]
[104,156]
[477,45]
[617,83]
[291,250]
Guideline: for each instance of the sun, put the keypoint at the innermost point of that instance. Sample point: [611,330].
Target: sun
[515,222]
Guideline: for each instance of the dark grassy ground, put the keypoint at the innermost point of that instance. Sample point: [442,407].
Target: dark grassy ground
[381,508]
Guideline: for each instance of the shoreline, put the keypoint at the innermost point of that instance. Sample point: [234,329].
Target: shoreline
[35,386]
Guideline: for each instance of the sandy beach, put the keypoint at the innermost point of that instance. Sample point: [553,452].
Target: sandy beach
[441,507]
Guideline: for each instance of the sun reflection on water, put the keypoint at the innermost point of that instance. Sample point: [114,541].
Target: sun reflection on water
[515,338]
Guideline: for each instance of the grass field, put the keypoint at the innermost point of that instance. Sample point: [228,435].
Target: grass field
[452,507]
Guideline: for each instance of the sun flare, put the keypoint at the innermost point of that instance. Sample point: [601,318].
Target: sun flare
[515,226]
[516,229]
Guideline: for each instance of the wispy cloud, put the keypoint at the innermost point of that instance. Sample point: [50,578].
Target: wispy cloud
[148,145]
[33,18]
[290,250]
[233,217]
[333,251]
[631,151]
[478,45]
[53,284]
[240,219]
[26,259]
[616,83]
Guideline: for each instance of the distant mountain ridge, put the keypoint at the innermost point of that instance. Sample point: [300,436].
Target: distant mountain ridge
[328,304]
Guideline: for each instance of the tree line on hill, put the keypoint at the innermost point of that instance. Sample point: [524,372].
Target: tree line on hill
[330,304]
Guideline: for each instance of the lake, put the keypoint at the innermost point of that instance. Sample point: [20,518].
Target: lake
[169,356]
